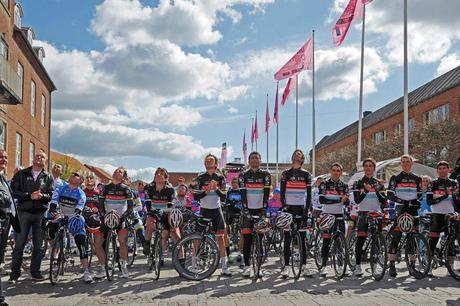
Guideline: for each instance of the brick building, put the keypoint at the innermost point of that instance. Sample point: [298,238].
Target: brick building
[25,90]
[433,102]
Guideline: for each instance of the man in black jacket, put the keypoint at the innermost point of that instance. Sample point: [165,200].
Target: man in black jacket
[32,187]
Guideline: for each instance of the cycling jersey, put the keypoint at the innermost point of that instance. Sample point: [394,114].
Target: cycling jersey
[405,188]
[180,202]
[255,188]
[234,198]
[159,199]
[68,200]
[92,198]
[210,199]
[118,197]
[373,198]
[296,187]
[442,196]
[330,195]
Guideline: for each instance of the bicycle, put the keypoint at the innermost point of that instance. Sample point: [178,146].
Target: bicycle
[156,249]
[112,221]
[131,221]
[375,246]
[338,250]
[297,246]
[61,251]
[414,244]
[196,255]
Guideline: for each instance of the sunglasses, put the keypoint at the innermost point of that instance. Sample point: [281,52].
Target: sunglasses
[76,174]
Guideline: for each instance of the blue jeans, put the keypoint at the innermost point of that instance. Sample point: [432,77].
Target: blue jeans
[28,221]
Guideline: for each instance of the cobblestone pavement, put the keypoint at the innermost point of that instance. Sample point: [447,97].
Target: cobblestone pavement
[170,289]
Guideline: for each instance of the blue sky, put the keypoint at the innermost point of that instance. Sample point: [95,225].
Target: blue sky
[161,83]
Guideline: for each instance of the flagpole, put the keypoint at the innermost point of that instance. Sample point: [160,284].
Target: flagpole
[297,111]
[256,138]
[360,108]
[313,154]
[406,95]
[267,132]
[252,135]
[277,124]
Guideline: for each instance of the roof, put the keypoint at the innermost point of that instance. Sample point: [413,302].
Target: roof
[433,88]
[101,174]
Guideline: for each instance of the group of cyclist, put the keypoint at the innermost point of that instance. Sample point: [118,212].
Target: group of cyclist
[248,199]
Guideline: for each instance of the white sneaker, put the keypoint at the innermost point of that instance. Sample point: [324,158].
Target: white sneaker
[87,277]
[323,272]
[100,273]
[358,271]
[246,271]
[124,270]
[226,271]
[286,272]
[307,272]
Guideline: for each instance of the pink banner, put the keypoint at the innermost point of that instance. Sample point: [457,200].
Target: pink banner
[275,113]
[302,60]
[267,118]
[245,148]
[289,86]
[340,30]
[256,130]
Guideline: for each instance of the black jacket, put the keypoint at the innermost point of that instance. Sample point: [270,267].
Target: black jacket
[23,185]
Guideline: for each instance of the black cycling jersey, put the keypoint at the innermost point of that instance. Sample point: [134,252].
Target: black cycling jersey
[210,199]
[255,188]
[405,188]
[330,194]
[442,196]
[158,199]
[296,187]
[117,197]
[371,199]
[233,197]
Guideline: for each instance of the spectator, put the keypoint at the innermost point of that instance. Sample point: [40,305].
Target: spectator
[57,173]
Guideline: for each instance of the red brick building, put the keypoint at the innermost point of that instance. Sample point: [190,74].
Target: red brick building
[25,90]
[435,101]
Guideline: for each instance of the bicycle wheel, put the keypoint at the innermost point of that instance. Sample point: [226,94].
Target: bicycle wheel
[351,249]
[90,248]
[56,258]
[339,253]
[155,255]
[296,254]
[256,255]
[110,255]
[452,255]
[132,247]
[418,255]
[235,235]
[379,256]
[317,253]
[201,256]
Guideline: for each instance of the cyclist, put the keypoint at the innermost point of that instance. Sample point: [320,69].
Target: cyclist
[159,194]
[135,217]
[333,195]
[405,190]
[233,210]
[181,200]
[369,194]
[118,197]
[255,185]
[69,201]
[92,219]
[296,200]
[210,192]
[442,195]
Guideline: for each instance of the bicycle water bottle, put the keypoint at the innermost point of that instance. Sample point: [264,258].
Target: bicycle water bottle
[392,211]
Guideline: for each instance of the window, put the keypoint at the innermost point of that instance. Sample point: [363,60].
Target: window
[2,135]
[397,129]
[30,36]
[43,111]
[31,152]
[41,54]
[18,150]
[3,49]
[17,16]
[32,98]
[21,75]
[380,137]
[436,115]
[411,124]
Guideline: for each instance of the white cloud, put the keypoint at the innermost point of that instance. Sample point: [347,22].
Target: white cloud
[232,110]
[233,93]
[448,62]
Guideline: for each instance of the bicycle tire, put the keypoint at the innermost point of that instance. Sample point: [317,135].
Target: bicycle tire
[296,254]
[256,255]
[110,255]
[155,255]
[339,254]
[205,248]
[132,247]
[56,258]
[317,250]
[379,256]
[424,256]
[352,249]
[452,242]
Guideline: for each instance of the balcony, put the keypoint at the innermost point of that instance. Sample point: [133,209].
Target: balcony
[10,84]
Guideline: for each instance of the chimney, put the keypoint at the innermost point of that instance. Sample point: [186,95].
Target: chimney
[365,113]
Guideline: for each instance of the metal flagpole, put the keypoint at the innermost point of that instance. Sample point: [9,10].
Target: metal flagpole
[360,108]
[252,135]
[406,96]
[313,154]
[297,111]
[277,124]
[256,138]
[267,132]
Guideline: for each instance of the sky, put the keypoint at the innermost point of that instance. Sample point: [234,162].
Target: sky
[154,83]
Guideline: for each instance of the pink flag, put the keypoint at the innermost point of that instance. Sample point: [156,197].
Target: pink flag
[289,86]
[275,113]
[302,60]
[353,11]
[252,133]
[223,156]
[245,148]
[256,130]
[267,118]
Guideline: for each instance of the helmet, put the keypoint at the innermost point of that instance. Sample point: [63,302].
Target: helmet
[76,224]
[262,226]
[326,222]
[175,218]
[405,222]
[93,221]
[283,220]
[112,219]
[86,212]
